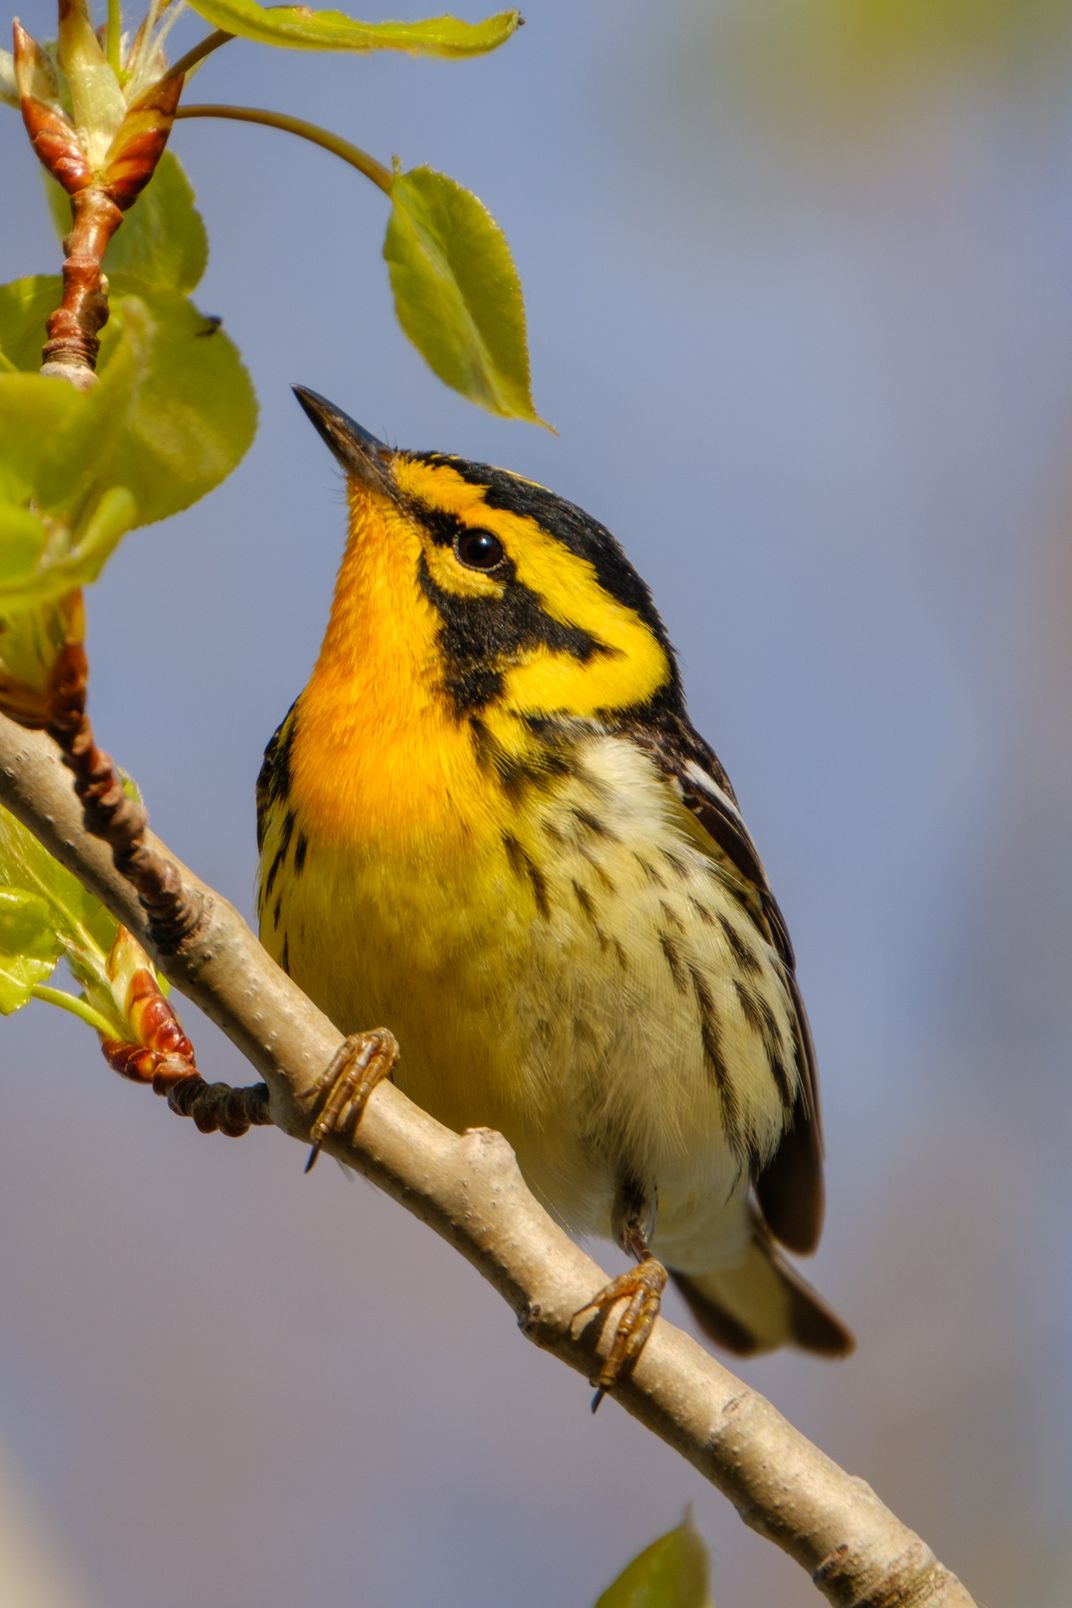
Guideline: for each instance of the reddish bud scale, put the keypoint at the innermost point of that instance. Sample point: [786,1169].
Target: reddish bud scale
[52,134]
[56,144]
[154,1022]
[131,1061]
[140,140]
[160,1053]
[164,1058]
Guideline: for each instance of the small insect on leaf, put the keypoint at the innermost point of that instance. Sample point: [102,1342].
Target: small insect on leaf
[457,292]
[187,405]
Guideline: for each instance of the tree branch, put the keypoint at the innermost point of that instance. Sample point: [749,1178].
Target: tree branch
[469,1189]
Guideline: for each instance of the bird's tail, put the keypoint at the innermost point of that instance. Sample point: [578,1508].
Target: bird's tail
[762,1303]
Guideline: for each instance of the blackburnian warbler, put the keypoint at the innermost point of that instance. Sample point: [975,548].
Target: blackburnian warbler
[488,823]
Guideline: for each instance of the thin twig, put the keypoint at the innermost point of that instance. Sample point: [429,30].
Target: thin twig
[171,909]
[198,52]
[353,154]
[99,197]
[73,328]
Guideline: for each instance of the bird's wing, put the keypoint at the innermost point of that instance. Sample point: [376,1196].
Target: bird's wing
[273,782]
[790,1187]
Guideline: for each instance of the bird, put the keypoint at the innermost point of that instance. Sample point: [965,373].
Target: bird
[488,821]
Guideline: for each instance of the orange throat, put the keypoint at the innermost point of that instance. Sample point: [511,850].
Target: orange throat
[378,753]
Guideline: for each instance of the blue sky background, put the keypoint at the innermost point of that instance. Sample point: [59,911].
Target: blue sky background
[799,307]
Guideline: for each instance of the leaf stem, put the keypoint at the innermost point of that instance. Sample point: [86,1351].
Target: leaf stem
[113,40]
[77,1007]
[198,52]
[353,154]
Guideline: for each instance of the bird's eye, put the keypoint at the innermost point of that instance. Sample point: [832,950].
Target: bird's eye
[479,549]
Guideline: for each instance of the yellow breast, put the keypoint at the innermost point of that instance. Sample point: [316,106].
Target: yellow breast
[406,913]
[550,971]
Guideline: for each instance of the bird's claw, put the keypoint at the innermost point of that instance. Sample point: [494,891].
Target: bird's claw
[361,1062]
[641,1288]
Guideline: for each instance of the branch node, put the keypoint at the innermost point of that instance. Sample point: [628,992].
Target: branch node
[912,1579]
[529,1320]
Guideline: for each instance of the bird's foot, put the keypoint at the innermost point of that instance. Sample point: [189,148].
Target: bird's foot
[361,1062]
[641,1288]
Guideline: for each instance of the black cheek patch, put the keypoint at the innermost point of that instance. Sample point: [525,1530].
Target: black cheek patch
[480,634]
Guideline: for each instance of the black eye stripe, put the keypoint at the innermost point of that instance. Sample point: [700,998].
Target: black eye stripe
[480,635]
[478,549]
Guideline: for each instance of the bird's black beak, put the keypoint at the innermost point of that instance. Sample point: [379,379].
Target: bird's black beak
[359,452]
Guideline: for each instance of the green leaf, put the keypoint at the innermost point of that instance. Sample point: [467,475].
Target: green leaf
[37,587]
[162,238]
[48,430]
[24,306]
[56,525]
[81,926]
[457,292]
[53,915]
[180,407]
[22,540]
[29,949]
[300,28]
[671,1573]
[44,913]
[172,415]
[112,516]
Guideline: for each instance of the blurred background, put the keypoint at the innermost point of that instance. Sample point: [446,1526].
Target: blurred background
[798,288]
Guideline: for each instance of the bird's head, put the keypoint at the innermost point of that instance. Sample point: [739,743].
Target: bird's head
[515,600]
